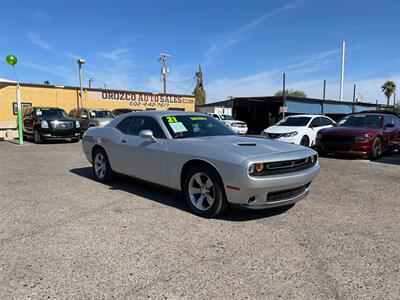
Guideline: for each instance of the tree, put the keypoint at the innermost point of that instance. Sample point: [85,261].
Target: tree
[388,88]
[199,91]
[294,93]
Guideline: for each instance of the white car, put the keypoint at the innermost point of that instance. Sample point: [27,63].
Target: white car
[298,129]
[239,127]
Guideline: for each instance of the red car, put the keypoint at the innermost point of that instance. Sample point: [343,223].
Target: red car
[361,134]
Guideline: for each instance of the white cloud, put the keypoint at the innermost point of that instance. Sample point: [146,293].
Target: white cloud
[36,39]
[231,38]
[115,55]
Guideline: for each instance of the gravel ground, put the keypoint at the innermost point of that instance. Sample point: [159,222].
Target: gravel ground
[65,236]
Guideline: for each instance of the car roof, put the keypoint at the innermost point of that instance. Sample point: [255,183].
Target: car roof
[307,116]
[45,107]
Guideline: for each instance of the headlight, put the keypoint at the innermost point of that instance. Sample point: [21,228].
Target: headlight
[256,168]
[290,134]
[363,138]
[77,124]
[44,124]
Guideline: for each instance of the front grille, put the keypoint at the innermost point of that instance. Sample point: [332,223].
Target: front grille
[240,125]
[287,166]
[337,143]
[62,125]
[286,195]
[274,135]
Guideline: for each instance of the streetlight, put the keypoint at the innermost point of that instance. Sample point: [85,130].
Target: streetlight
[80,63]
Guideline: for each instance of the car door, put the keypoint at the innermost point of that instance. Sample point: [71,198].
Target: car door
[139,157]
[314,127]
[390,131]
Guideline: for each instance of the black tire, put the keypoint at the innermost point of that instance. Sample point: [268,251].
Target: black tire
[37,137]
[216,192]
[376,150]
[305,141]
[75,140]
[107,174]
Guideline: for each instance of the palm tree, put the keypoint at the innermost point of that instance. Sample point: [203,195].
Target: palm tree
[388,88]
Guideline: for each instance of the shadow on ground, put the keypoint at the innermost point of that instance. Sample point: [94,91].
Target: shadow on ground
[173,198]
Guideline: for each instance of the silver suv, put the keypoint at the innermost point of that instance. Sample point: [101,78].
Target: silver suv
[91,117]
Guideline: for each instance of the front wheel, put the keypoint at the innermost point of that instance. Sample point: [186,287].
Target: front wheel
[37,137]
[305,141]
[101,166]
[203,192]
[376,150]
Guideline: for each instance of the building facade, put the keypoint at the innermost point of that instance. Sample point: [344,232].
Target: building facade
[67,98]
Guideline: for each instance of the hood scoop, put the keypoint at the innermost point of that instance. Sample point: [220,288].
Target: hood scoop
[247,144]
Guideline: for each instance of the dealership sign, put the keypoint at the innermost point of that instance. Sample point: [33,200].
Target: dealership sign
[140,100]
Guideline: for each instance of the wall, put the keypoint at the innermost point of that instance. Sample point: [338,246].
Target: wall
[67,98]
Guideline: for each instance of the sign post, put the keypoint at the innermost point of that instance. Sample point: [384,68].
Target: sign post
[12,61]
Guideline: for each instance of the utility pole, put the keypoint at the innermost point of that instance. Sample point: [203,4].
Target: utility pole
[164,70]
[283,93]
[323,95]
[354,97]
[80,62]
[342,71]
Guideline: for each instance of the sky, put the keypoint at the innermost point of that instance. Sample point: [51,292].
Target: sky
[243,46]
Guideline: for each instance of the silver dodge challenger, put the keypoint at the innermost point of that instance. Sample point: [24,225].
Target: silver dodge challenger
[203,158]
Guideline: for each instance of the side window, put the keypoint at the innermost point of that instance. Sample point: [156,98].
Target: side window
[315,122]
[78,113]
[142,123]
[72,113]
[325,121]
[123,126]
[388,121]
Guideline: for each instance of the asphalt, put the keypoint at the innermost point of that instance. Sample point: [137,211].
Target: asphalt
[65,236]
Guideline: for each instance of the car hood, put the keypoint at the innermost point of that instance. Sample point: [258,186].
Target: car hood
[233,121]
[347,131]
[246,146]
[282,129]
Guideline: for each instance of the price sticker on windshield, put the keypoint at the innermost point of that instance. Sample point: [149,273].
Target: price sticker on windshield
[171,119]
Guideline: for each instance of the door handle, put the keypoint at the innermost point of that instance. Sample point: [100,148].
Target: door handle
[124,141]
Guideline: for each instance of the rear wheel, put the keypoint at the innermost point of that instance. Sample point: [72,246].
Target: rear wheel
[101,166]
[37,137]
[305,141]
[376,150]
[203,192]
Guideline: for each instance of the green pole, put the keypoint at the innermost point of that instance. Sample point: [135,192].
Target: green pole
[12,60]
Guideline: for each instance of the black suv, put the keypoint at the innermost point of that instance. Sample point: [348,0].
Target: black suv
[49,123]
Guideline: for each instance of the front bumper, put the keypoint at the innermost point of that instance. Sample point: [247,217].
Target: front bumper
[240,130]
[359,148]
[58,134]
[273,190]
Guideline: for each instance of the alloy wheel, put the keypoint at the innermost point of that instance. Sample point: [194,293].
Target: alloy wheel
[100,165]
[201,191]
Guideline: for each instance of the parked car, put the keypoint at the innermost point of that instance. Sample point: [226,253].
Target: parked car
[361,134]
[49,123]
[239,127]
[203,158]
[91,117]
[121,111]
[298,129]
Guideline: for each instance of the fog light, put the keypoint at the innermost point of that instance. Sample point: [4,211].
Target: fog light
[251,200]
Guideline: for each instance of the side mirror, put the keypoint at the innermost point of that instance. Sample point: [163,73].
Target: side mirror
[147,134]
[84,117]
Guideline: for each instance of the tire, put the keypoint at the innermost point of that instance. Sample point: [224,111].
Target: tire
[305,141]
[101,166]
[203,192]
[376,150]
[75,140]
[37,137]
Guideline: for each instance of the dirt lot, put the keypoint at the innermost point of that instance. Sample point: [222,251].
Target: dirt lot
[65,236]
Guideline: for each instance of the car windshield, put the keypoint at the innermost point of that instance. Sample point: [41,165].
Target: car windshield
[227,117]
[294,121]
[374,121]
[101,114]
[192,126]
[51,113]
